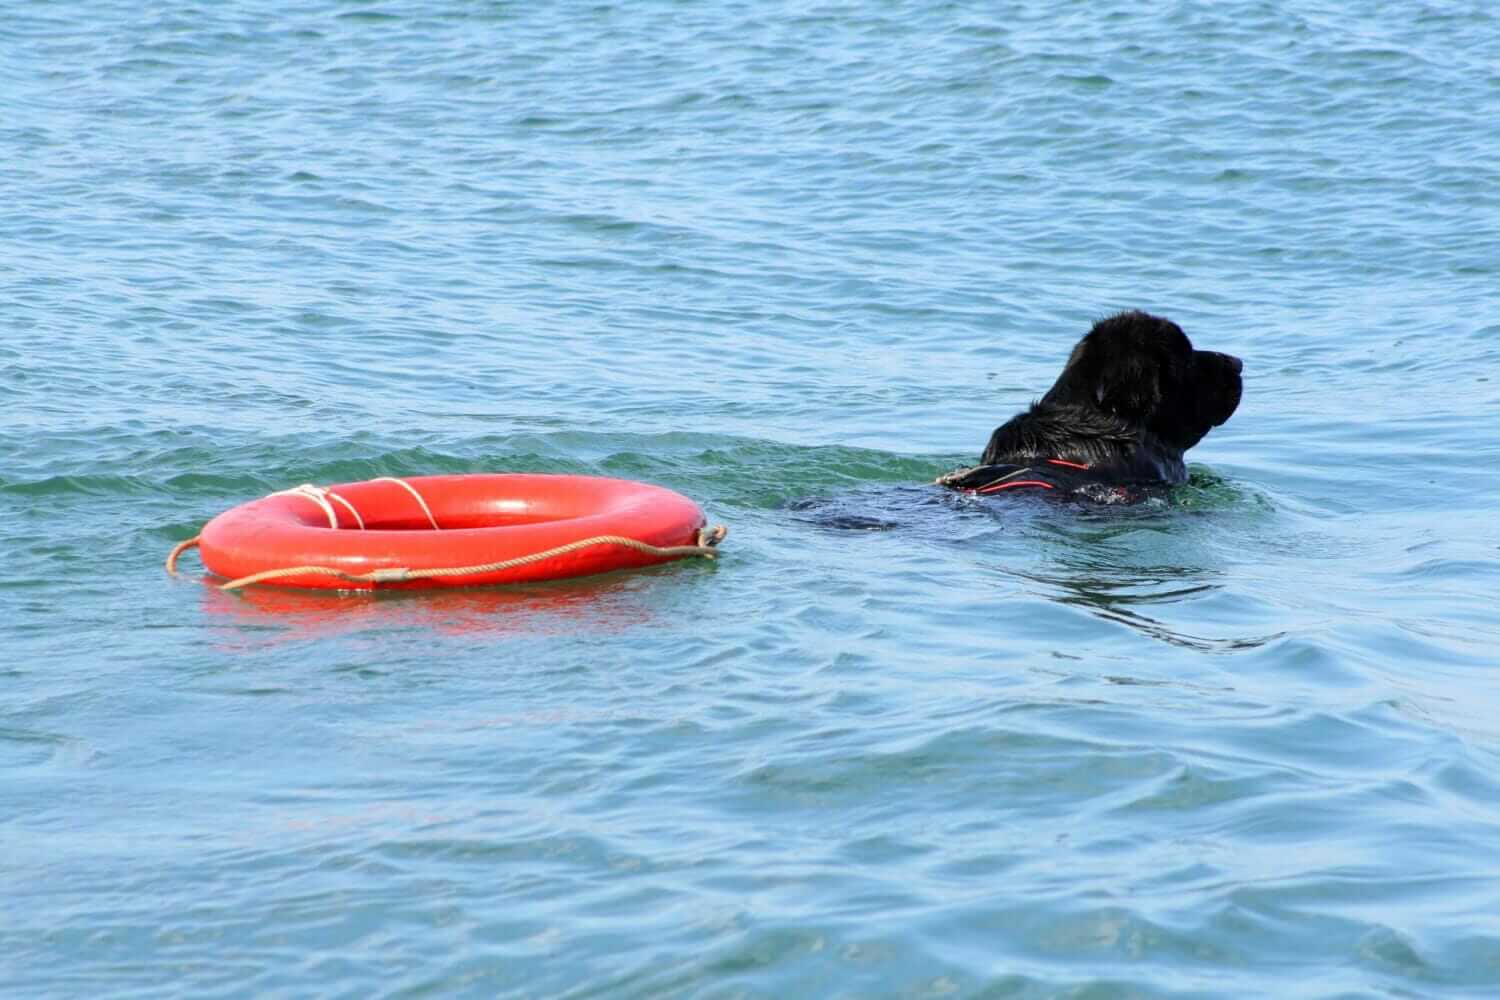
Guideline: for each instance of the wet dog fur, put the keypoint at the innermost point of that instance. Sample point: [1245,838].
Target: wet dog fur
[1133,397]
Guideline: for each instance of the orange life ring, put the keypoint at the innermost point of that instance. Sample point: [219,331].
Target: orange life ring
[426,523]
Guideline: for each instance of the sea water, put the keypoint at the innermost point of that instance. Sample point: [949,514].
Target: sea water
[792,260]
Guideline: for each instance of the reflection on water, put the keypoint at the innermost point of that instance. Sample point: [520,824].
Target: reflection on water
[1119,593]
[608,603]
[1143,567]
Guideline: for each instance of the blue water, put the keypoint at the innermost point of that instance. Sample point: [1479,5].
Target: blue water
[793,261]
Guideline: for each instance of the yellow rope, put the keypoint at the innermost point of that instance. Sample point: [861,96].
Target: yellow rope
[177,550]
[708,540]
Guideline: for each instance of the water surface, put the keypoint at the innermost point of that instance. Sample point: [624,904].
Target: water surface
[787,260]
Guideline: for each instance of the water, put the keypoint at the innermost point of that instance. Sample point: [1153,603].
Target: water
[788,260]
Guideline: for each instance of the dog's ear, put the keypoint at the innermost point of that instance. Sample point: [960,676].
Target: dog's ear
[1126,366]
[1129,385]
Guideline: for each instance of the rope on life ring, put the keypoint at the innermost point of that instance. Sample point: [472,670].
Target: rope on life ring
[177,550]
[707,547]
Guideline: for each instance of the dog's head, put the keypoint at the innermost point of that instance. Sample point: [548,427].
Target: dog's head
[1143,369]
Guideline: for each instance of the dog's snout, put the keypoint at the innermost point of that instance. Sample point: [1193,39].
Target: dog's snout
[1218,361]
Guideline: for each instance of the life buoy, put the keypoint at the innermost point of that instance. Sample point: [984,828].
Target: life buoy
[415,532]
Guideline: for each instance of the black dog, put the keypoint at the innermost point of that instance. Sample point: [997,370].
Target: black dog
[1133,397]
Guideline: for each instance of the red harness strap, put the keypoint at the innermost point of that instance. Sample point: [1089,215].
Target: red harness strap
[997,487]
[1064,478]
[1008,484]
